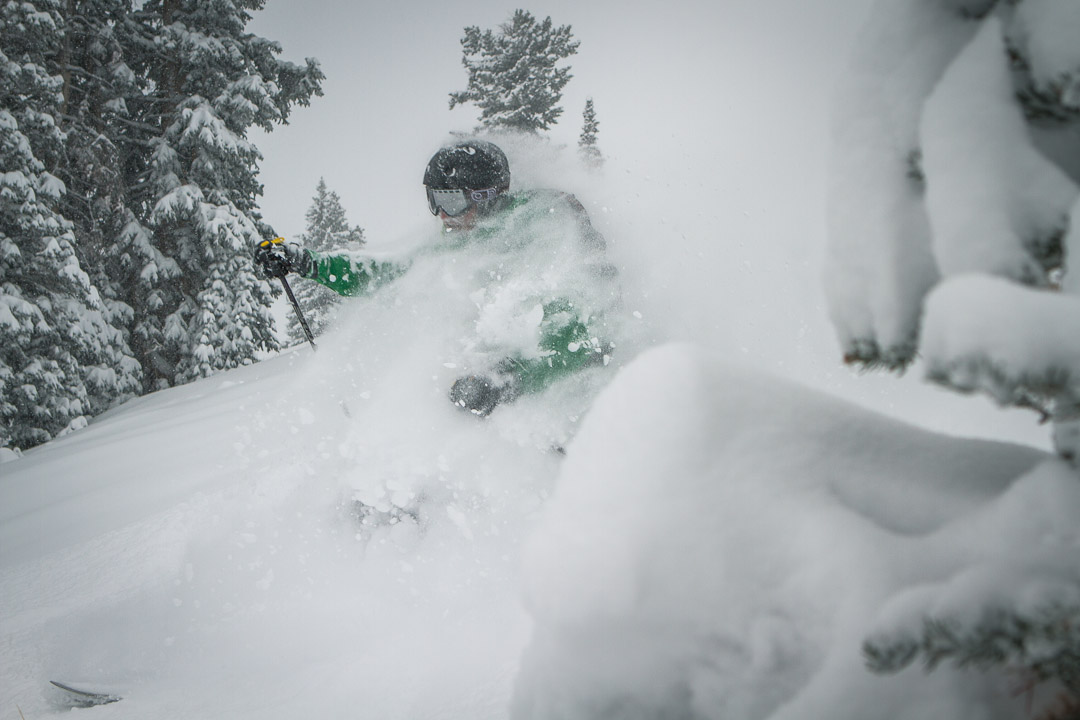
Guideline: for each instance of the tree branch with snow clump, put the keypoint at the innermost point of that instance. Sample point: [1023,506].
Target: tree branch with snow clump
[941,173]
[1030,338]
[879,262]
[935,171]
[955,236]
[1044,49]
[1031,626]
[1013,601]
[996,205]
[1046,643]
[1018,345]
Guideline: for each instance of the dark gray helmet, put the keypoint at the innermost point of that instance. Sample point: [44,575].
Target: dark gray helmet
[469,165]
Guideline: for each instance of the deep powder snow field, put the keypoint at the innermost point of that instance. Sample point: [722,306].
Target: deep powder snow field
[200,552]
[203,556]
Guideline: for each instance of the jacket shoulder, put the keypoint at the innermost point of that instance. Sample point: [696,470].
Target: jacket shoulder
[545,196]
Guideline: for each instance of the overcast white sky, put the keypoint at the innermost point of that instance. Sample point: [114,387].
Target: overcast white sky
[691,88]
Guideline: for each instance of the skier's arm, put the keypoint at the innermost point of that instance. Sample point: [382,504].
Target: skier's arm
[568,342]
[342,272]
[567,345]
[347,275]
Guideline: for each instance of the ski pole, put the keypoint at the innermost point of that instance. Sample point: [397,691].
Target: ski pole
[299,313]
[289,292]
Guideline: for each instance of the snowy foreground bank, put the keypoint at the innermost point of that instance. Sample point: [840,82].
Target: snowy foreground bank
[715,544]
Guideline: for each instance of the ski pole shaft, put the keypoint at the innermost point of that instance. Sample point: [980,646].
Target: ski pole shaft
[299,313]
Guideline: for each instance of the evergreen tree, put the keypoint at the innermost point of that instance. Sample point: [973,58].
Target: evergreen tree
[590,153]
[512,73]
[100,143]
[96,83]
[955,229]
[327,229]
[188,218]
[127,212]
[60,358]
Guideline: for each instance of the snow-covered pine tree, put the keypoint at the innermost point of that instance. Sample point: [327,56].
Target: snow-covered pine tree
[972,205]
[60,358]
[99,143]
[512,73]
[182,260]
[590,153]
[327,229]
[96,83]
[955,233]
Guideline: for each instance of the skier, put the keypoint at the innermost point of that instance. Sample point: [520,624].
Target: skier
[468,189]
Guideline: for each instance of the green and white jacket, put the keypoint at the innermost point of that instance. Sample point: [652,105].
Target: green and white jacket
[535,270]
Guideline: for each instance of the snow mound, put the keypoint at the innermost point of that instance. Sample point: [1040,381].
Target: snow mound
[718,544]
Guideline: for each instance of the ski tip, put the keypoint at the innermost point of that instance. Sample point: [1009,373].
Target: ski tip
[85,698]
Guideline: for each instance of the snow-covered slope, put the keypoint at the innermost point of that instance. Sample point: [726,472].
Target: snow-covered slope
[717,545]
[200,552]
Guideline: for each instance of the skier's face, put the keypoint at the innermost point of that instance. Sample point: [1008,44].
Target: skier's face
[459,209]
[464,221]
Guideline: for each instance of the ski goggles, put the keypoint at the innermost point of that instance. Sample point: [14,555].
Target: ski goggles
[457,202]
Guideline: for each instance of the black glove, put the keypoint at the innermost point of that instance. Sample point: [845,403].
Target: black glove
[479,395]
[278,258]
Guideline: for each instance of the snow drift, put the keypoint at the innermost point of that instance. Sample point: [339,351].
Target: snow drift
[724,554]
